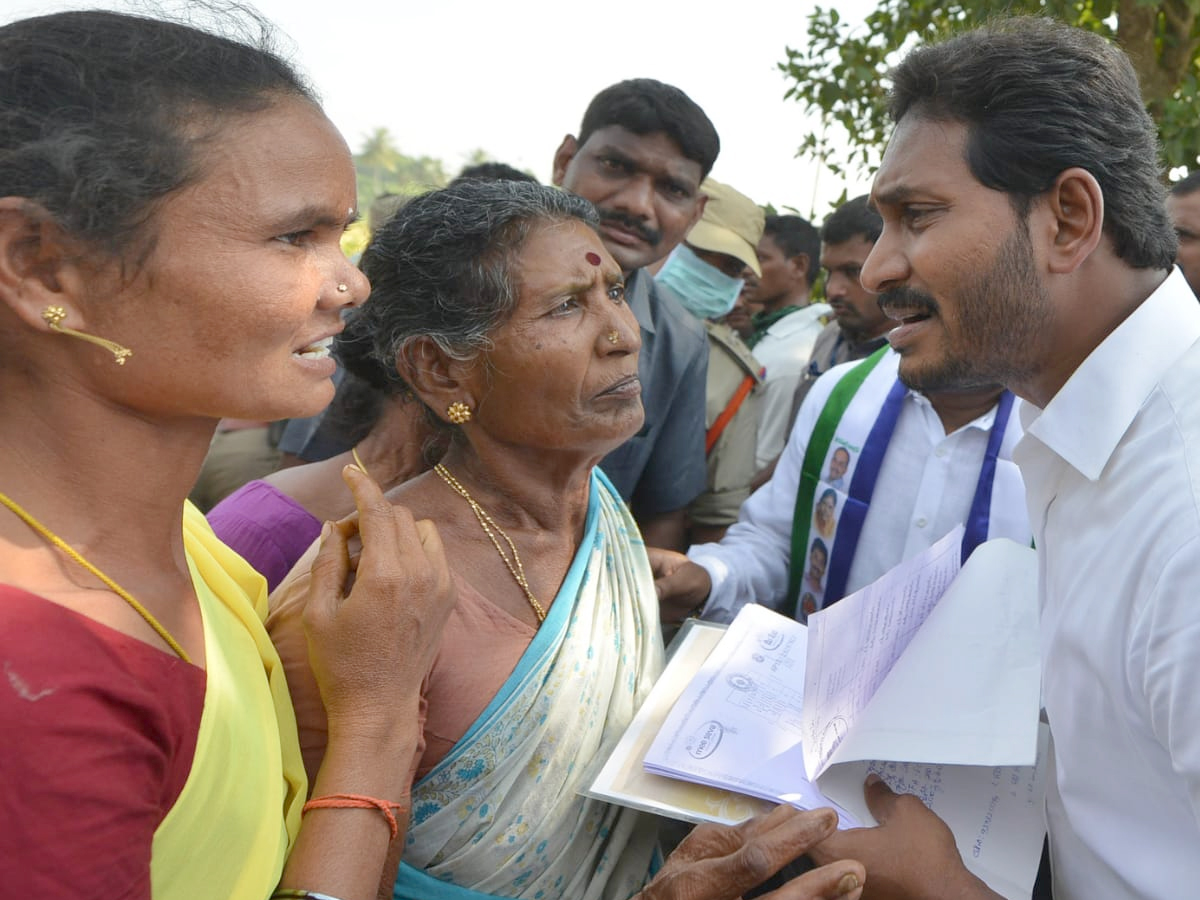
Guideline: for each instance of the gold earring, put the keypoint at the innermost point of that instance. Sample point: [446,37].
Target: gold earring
[458,412]
[614,336]
[54,315]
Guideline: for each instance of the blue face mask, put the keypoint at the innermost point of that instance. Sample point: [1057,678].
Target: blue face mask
[706,291]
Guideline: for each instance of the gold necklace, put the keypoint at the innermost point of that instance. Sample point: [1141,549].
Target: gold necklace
[108,582]
[488,523]
[358,462]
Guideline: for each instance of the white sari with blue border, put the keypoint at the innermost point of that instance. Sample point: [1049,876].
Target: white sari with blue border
[501,815]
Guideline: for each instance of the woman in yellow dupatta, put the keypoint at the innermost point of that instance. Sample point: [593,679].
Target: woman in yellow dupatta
[171,204]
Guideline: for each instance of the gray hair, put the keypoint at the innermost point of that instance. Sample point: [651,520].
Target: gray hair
[442,266]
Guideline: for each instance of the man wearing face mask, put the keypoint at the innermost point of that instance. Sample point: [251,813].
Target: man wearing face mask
[705,274]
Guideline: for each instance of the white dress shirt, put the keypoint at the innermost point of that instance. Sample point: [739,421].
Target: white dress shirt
[1112,467]
[925,487]
[784,352]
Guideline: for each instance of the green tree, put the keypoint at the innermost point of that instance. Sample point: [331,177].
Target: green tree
[841,73]
[383,169]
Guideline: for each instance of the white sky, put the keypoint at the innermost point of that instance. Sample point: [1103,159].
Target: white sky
[448,76]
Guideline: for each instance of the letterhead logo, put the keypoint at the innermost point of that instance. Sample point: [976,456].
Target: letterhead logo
[704,742]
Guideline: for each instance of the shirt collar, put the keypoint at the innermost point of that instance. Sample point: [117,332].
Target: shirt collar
[764,320]
[801,319]
[1084,422]
[637,295]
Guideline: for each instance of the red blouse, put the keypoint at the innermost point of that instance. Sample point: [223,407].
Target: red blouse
[97,734]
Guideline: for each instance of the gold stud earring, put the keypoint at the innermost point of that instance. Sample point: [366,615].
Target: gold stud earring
[614,336]
[458,412]
[53,316]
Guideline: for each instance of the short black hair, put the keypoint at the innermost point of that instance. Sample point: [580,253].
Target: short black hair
[795,235]
[491,171]
[1039,97]
[1188,184]
[854,218]
[646,106]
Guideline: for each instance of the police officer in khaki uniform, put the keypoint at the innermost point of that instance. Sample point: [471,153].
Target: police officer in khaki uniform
[705,272]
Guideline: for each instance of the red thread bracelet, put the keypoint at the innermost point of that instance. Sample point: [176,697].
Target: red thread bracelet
[359,801]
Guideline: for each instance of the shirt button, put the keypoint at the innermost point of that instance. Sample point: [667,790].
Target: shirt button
[921,523]
[939,452]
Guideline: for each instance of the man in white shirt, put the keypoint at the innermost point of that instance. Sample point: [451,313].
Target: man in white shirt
[1026,240]
[896,472]
[787,327]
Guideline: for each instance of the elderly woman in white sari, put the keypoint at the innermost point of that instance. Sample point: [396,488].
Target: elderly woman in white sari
[498,306]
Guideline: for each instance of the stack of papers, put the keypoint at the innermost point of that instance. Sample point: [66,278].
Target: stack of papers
[929,677]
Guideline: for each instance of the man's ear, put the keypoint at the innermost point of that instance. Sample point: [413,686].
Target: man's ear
[1075,204]
[562,158]
[801,265]
[39,265]
[437,378]
[701,202]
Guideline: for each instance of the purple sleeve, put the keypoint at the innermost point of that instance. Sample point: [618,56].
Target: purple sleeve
[268,528]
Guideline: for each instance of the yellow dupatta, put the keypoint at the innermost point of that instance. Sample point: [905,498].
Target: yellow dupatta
[237,816]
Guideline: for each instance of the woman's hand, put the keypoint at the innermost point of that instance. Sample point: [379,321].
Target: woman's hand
[374,622]
[720,862]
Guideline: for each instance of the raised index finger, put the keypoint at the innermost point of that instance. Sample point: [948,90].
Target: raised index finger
[382,531]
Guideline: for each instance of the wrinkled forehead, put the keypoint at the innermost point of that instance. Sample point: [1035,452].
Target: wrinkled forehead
[562,252]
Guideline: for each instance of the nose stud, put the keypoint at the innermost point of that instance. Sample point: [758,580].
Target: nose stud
[342,287]
[614,336]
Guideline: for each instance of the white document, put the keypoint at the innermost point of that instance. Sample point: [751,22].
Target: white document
[623,779]
[737,725]
[925,666]
[937,673]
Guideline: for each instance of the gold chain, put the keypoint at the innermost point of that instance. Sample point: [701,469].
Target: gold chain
[109,583]
[358,462]
[488,523]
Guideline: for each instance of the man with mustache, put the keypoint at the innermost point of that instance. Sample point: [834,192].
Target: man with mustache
[642,151]
[1026,240]
[903,467]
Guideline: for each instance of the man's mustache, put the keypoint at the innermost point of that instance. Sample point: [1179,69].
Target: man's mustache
[909,299]
[650,235]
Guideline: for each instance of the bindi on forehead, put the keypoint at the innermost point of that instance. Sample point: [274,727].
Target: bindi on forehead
[592,257]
